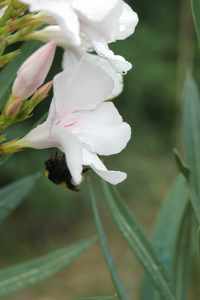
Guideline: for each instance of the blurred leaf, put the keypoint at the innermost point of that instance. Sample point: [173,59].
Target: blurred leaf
[105,248]
[137,241]
[169,225]
[182,167]
[183,262]
[191,125]
[196,16]
[41,120]
[13,194]
[27,274]
[4,159]
[8,74]
[98,298]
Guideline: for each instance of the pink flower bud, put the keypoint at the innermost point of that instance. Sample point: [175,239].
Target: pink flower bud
[33,72]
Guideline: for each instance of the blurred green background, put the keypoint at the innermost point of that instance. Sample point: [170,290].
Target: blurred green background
[162,47]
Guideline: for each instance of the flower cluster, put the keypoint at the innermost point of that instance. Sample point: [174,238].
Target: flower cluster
[82,122]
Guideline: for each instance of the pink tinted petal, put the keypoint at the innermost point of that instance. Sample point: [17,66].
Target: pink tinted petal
[33,71]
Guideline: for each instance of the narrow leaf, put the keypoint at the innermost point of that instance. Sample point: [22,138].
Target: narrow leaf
[182,167]
[139,244]
[34,271]
[105,248]
[12,195]
[184,257]
[98,298]
[196,16]
[191,125]
[169,226]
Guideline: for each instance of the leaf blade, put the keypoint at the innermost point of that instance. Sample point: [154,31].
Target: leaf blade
[139,244]
[191,138]
[37,270]
[105,248]
[177,201]
[196,16]
[12,195]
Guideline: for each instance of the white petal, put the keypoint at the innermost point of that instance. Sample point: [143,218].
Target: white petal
[119,24]
[70,145]
[103,130]
[106,29]
[118,62]
[92,160]
[94,10]
[39,137]
[82,88]
[72,58]
[63,14]
[127,22]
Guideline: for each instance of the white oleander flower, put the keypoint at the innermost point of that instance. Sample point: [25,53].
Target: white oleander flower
[81,124]
[89,24]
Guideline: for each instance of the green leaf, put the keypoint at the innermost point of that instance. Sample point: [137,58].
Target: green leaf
[4,159]
[41,120]
[105,248]
[139,244]
[191,125]
[98,298]
[184,257]
[182,167]
[27,274]
[176,201]
[196,16]
[8,74]
[12,195]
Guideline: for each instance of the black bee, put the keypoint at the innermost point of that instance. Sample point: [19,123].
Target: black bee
[58,172]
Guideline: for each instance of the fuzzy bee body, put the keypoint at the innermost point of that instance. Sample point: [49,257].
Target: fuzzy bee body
[58,172]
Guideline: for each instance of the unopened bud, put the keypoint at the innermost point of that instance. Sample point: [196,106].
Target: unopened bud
[13,106]
[42,92]
[16,106]
[33,72]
